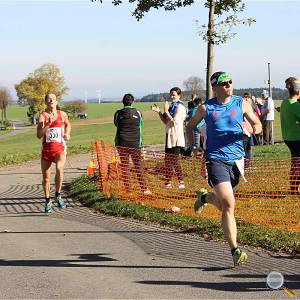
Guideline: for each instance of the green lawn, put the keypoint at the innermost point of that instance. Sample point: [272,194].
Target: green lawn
[25,146]
[99,125]
[102,110]
[153,133]
[94,110]
[17,112]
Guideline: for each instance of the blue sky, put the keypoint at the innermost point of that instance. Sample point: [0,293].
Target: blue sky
[99,46]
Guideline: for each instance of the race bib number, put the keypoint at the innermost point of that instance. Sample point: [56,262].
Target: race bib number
[54,134]
[240,165]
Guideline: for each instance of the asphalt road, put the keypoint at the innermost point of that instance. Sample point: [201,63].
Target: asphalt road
[77,253]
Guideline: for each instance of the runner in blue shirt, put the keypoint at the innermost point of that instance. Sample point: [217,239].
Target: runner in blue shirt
[224,152]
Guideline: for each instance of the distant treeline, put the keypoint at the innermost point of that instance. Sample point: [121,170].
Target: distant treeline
[185,96]
[277,94]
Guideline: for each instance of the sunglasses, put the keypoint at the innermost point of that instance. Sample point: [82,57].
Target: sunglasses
[225,83]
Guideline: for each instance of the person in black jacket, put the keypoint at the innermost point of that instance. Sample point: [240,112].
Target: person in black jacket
[128,140]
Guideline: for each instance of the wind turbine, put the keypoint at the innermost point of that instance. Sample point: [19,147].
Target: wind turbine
[99,96]
[85,96]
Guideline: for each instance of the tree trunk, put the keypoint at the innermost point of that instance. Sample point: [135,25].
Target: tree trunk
[210,50]
[5,115]
[33,118]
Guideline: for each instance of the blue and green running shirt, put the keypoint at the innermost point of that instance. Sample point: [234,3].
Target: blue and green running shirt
[224,129]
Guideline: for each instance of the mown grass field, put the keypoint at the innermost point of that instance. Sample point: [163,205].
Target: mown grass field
[99,125]
[17,112]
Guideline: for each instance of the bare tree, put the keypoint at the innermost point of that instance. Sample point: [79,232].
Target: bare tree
[5,99]
[194,84]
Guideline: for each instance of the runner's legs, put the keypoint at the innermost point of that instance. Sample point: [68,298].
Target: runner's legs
[46,171]
[224,193]
[60,160]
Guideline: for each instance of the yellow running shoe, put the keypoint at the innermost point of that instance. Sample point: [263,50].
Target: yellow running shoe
[239,257]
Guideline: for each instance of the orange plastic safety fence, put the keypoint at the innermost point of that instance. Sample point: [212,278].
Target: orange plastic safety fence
[140,176]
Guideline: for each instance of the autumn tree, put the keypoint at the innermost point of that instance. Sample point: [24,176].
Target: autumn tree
[214,33]
[36,85]
[5,99]
[73,108]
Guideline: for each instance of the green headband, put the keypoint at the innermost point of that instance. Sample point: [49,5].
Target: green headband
[223,77]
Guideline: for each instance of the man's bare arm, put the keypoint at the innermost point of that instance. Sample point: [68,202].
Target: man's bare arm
[67,124]
[251,117]
[42,126]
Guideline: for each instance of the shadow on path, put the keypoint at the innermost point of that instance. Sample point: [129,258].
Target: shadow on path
[194,252]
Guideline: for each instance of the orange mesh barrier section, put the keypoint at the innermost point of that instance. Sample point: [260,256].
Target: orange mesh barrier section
[140,176]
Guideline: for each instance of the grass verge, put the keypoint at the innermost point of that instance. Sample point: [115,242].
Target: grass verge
[85,190]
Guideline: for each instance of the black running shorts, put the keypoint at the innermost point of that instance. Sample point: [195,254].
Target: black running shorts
[220,171]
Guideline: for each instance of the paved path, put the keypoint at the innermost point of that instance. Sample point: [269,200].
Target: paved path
[77,253]
[19,126]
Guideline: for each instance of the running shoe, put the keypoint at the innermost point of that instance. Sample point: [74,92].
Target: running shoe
[60,201]
[147,192]
[200,202]
[239,257]
[49,207]
[168,185]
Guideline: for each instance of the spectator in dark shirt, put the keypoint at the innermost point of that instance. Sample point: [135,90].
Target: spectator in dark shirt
[191,105]
[129,122]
